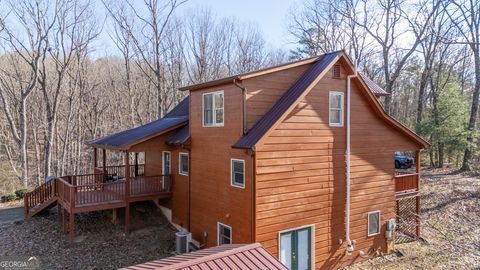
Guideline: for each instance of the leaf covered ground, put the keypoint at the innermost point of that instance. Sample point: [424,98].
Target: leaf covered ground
[450,218]
[100,243]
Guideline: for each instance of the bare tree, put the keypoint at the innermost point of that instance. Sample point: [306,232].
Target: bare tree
[16,83]
[465,15]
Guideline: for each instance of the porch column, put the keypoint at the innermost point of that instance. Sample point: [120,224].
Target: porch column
[95,159]
[417,160]
[127,190]
[136,164]
[104,164]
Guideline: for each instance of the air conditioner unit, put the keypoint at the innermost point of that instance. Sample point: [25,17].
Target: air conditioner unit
[182,241]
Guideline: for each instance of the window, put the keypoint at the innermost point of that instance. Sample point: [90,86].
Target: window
[166,163]
[213,109]
[336,109]
[224,234]
[183,164]
[373,223]
[237,169]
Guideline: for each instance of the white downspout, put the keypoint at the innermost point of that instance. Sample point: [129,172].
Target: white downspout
[351,245]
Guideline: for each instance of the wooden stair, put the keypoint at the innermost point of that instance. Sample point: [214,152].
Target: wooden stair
[40,198]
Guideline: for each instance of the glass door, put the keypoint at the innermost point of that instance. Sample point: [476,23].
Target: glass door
[295,249]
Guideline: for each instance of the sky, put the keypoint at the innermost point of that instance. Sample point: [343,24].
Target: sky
[271,16]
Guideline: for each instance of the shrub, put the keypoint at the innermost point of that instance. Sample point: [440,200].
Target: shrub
[9,197]
[21,193]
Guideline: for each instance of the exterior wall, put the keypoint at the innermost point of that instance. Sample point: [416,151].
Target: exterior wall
[153,149]
[300,176]
[264,91]
[213,198]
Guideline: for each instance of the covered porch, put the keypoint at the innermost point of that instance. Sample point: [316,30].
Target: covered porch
[108,187]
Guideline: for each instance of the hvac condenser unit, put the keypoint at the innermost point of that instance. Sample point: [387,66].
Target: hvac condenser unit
[182,242]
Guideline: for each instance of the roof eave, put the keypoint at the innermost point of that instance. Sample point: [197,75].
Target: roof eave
[250,74]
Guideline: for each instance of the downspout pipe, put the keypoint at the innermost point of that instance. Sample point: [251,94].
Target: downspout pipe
[351,244]
[244,104]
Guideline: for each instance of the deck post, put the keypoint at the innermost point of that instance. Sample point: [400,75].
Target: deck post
[136,164]
[127,190]
[59,210]
[417,198]
[95,159]
[104,164]
[71,227]
[64,223]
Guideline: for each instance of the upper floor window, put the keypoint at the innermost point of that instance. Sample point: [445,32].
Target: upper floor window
[336,109]
[183,163]
[213,109]
[237,167]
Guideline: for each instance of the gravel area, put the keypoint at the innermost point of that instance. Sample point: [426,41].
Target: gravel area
[100,244]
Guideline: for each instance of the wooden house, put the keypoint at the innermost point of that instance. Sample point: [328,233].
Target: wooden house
[297,157]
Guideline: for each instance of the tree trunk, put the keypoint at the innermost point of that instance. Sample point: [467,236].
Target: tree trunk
[467,157]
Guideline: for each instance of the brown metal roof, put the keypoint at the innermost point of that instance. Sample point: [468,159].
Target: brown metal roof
[375,88]
[250,74]
[261,127]
[177,117]
[180,137]
[225,257]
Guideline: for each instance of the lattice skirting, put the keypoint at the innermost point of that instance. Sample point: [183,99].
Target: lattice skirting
[407,220]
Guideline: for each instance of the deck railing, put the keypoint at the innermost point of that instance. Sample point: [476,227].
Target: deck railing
[119,170]
[40,195]
[142,185]
[406,183]
[65,192]
[93,190]
[100,193]
[84,179]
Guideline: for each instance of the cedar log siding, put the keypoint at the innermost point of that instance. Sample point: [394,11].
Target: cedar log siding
[153,149]
[213,198]
[300,175]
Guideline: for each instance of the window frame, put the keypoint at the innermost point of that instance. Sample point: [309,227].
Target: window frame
[169,161]
[232,179]
[379,222]
[180,172]
[214,109]
[342,108]
[218,233]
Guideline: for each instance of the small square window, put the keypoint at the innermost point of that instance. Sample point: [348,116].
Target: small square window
[373,223]
[336,109]
[224,234]
[183,164]
[237,177]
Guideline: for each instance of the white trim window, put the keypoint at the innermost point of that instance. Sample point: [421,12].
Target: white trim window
[335,109]
[166,162]
[224,234]
[212,107]
[183,164]
[237,173]
[373,223]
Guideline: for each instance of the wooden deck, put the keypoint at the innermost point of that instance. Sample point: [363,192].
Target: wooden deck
[93,192]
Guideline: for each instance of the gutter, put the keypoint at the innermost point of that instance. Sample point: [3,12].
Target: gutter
[244,104]
[350,243]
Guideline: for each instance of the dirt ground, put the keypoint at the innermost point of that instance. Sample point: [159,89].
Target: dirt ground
[99,243]
[450,219]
